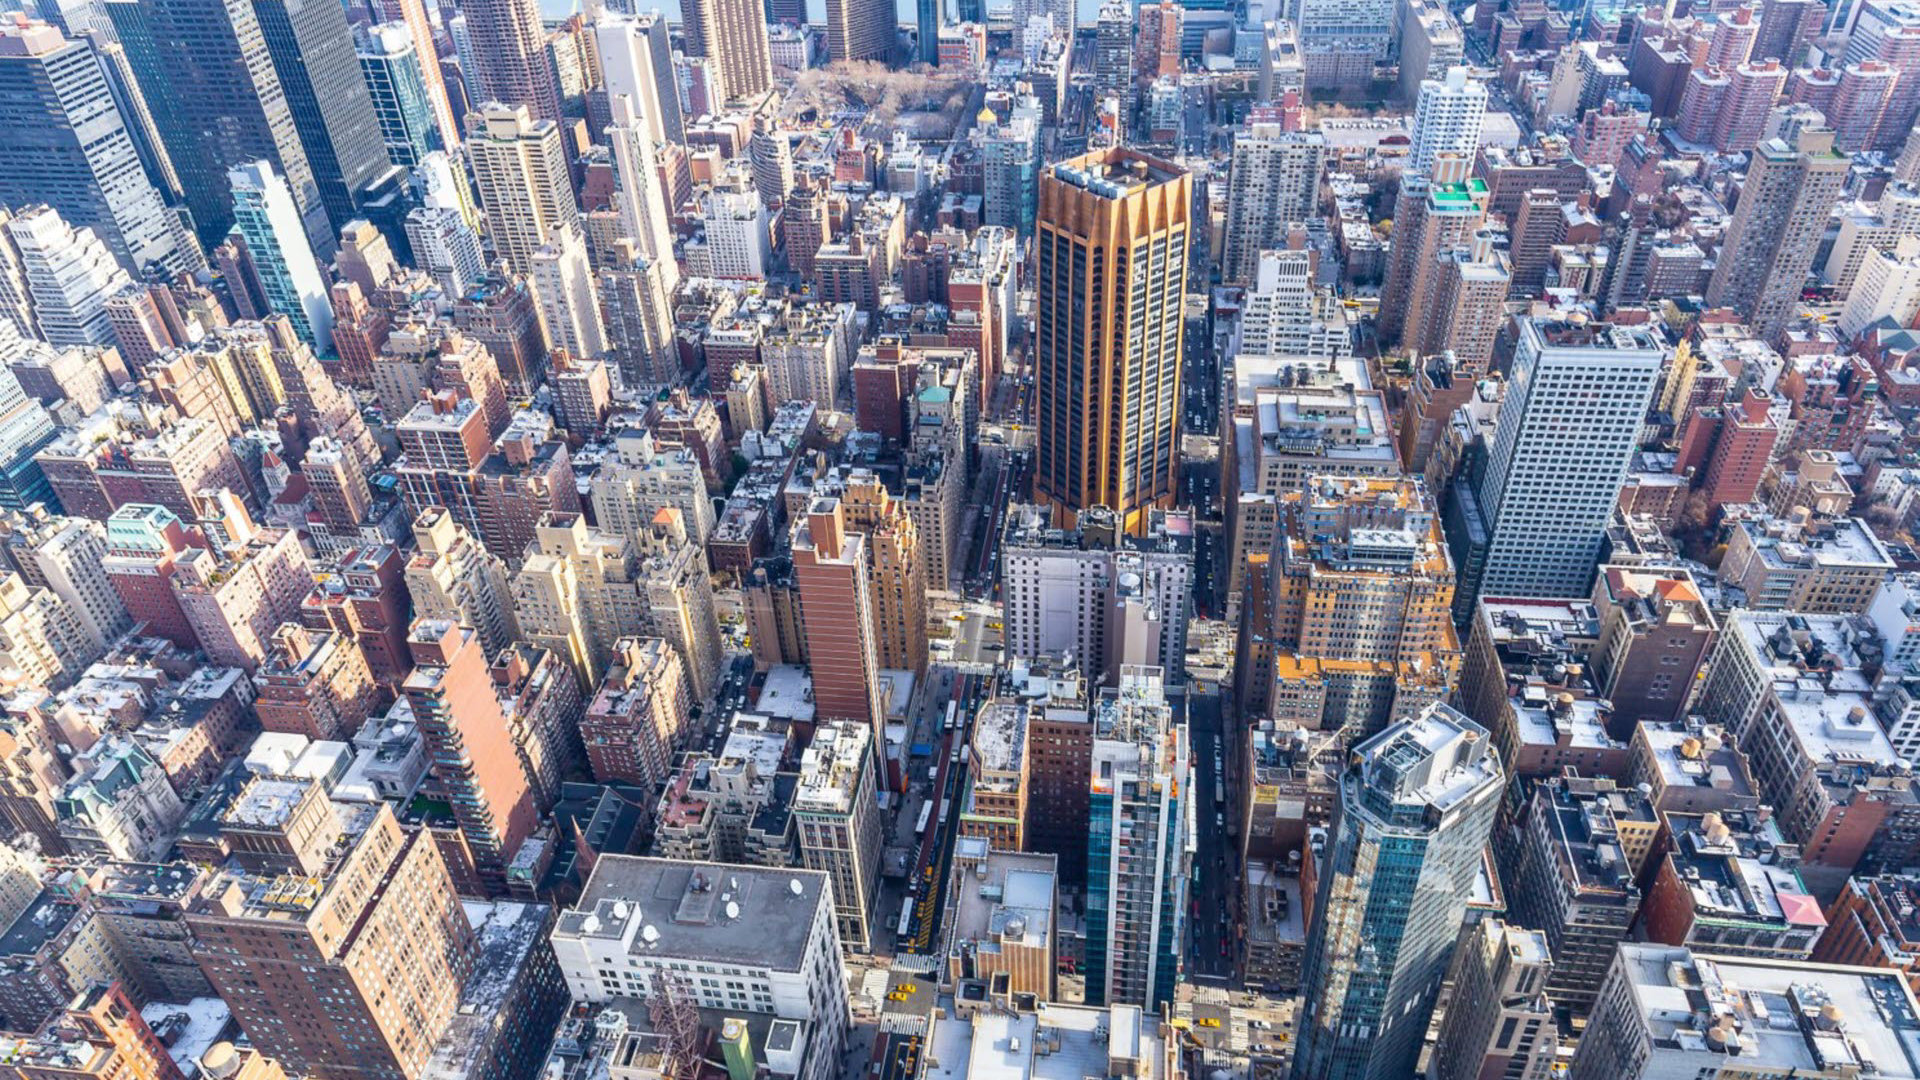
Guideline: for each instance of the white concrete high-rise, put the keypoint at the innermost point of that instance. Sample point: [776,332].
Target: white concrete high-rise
[69,276]
[265,215]
[445,246]
[633,98]
[569,303]
[1576,400]
[1447,118]
[1888,286]
[520,168]
[737,239]
[1275,181]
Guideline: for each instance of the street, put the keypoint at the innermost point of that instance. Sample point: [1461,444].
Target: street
[1212,915]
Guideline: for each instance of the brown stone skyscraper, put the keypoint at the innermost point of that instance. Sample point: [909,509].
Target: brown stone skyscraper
[1112,246]
[732,35]
[860,30]
[897,577]
[830,564]
[346,961]
[467,737]
[510,56]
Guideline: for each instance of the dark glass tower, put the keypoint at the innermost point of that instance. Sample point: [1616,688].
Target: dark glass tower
[313,51]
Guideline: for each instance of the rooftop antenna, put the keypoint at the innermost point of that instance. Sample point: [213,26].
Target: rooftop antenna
[671,1007]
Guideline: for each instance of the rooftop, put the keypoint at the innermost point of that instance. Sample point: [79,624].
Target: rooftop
[700,911]
[1786,1018]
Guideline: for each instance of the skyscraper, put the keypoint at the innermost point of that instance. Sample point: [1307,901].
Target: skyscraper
[732,35]
[1782,214]
[927,22]
[1137,860]
[1108,333]
[1275,181]
[860,30]
[69,276]
[218,102]
[64,141]
[521,170]
[1447,118]
[569,304]
[344,951]
[1576,399]
[401,101]
[313,52]
[1415,809]
[468,742]
[839,823]
[264,214]
[831,564]
[509,57]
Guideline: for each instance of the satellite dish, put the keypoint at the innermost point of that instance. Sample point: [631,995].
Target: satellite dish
[649,934]
[733,910]
[794,887]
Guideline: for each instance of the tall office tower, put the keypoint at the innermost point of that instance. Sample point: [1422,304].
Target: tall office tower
[65,142]
[860,30]
[732,36]
[264,215]
[1108,333]
[413,15]
[1358,602]
[468,744]
[1446,119]
[445,246]
[1776,227]
[1137,858]
[637,301]
[1437,212]
[569,304]
[895,571]
[1499,1021]
[313,52]
[927,23]
[398,87]
[1113,55]
[451,577]
[365,943]
[510,62]
[1889,32]
[830,563]
[1576,399]
[839,823]
[25,429]
[69,276]
[652,75]
[521,170]
[141,127]
[1416,806]
[1274,182]
[206,72]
